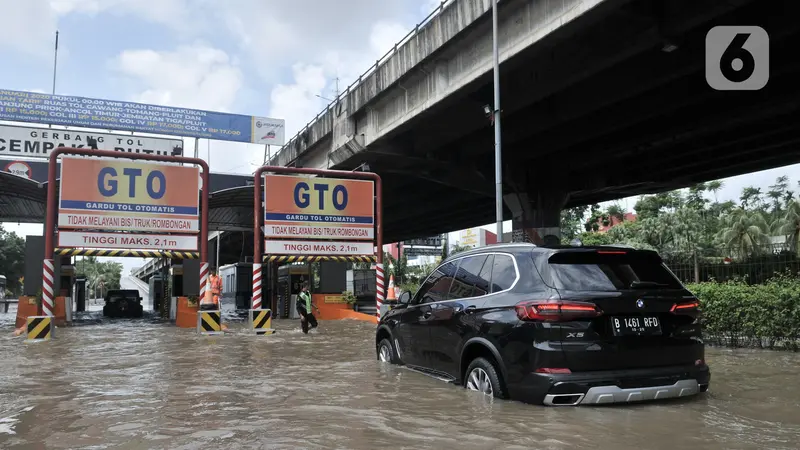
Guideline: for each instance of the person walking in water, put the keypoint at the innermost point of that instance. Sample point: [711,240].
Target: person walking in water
[304,309]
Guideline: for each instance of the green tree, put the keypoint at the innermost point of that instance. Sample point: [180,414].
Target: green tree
[396,267]
[780,197]
[101,276]
[571,220]
[695,198]
[650,206]
[751,198]
[789,226]
[745,233]
[595,238]
[616,211]
[714,187]
[12,259]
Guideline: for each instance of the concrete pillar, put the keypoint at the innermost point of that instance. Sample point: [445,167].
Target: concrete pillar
[344,126]
[536,215]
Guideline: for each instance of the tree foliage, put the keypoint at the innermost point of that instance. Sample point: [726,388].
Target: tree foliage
[12,260]
[738,314]
[692,221]
[100,276]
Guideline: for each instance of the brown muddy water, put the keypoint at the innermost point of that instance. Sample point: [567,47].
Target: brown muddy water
[144,384]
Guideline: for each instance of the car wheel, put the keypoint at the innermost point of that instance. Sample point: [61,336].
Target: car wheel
[482,376]
[386,352]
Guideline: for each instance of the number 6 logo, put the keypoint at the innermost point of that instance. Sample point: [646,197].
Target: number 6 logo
[737,58]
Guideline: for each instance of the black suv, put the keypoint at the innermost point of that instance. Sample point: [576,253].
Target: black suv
[123,303]
[552,325]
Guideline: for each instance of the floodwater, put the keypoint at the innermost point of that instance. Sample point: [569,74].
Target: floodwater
[144,384]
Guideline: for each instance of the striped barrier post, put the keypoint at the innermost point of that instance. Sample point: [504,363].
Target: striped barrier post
[39,328]
[209,322]
[256,286]
[48,272]
[261,321]
[380,293]
[203,280]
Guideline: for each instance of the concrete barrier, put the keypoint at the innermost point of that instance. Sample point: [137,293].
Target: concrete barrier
[26,307]
[186,316]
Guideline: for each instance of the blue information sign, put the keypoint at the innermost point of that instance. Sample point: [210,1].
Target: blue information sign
[33,107]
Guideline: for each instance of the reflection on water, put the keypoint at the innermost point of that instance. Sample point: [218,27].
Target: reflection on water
[145,384]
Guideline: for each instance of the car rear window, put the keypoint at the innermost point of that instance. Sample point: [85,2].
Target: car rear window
[610,271]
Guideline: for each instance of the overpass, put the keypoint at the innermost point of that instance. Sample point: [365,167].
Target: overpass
[601,99]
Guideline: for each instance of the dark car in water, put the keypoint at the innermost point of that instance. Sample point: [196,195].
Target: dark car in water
[560,325]
[123,303]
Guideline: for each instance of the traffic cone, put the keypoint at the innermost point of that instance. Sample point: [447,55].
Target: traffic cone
[391,295]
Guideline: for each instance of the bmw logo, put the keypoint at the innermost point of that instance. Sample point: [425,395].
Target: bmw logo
[640,303]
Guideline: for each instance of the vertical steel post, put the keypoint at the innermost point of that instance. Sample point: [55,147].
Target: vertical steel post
[498,153]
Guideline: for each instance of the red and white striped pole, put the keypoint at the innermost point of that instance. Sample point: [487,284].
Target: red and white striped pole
[256,286]
[203,280]
[380,293]
[48,272]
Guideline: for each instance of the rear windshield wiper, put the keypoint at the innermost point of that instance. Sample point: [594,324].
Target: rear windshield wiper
[647,284]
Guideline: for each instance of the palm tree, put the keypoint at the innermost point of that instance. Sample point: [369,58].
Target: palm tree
[715,186]
[616,210]
[789,226]
[745,233]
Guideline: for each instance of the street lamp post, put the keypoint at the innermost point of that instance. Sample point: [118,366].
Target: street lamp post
[498,154]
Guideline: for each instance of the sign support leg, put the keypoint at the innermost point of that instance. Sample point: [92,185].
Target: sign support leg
[203,279]
[256,286]
[48,272]
[380,290]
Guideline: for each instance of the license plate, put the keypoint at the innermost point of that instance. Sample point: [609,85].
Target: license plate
[636,326]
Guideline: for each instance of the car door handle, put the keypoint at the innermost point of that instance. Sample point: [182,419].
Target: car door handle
[470,309]
[426,314]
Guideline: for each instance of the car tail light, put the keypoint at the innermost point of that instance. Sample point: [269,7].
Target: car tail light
[552,370]
[690,306]
[556,310]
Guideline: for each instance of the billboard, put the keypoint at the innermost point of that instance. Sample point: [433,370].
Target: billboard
[476,237]
[114,194]
[34,107]
[93,239]
[16,142]
[300,207]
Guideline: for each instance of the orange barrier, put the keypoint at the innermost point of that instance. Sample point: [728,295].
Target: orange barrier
[26,307]
[60,313]
[186,316]
[331,307]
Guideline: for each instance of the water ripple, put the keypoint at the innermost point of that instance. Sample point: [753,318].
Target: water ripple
[147,384]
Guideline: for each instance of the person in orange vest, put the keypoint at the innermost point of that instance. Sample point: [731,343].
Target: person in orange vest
[214,289]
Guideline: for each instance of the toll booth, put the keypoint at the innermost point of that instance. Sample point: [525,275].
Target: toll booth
[237,286]
[63,285]
[79,294]
[157,289]
[175,288]
[176,277]
[290,280]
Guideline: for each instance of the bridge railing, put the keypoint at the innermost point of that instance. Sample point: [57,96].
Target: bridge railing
[369,71]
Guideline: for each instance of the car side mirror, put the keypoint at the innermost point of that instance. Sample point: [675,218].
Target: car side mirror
[404,298]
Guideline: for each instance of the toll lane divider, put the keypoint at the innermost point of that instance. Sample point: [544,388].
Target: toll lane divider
[310,258]
[39,328]
[134,253]
[261,321]
[209,322]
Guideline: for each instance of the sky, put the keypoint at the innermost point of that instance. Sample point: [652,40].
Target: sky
[254,57]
